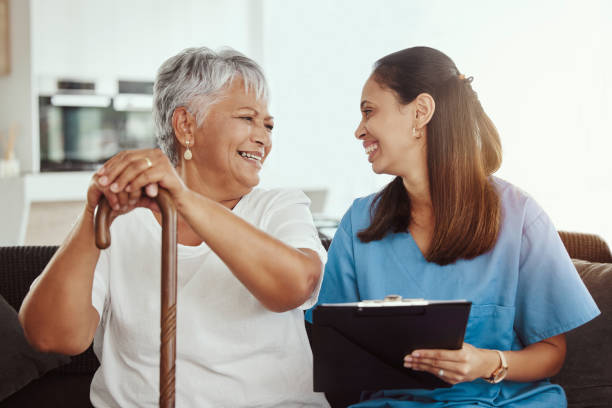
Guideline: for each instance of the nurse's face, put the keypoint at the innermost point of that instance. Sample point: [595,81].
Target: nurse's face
[386,130]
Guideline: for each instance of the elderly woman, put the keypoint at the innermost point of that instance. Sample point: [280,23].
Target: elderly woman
[249,260]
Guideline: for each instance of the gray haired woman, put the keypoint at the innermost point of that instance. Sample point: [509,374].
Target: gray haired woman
[249,260]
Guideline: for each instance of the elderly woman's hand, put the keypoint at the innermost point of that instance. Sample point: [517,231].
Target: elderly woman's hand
[124,177]
[454,366]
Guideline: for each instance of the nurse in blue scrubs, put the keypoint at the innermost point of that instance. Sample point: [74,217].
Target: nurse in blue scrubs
[445,228]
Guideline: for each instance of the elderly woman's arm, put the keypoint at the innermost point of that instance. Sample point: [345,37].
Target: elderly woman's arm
[57,313]
[279,276]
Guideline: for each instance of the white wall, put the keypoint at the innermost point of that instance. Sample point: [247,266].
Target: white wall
[542,71]
[130,39]
[16,92]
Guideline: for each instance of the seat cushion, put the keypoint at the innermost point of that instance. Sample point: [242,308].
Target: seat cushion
[19,361]
[53,390]
[587,373]
[19,266]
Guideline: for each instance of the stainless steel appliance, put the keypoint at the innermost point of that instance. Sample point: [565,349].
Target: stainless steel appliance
[83,124]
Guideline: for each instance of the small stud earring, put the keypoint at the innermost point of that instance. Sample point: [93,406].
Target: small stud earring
[187,155]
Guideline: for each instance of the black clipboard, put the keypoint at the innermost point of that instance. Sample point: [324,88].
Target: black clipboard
[361,345]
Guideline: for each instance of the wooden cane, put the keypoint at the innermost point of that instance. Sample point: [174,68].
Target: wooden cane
[168,287]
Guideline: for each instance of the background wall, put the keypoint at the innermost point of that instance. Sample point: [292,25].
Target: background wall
[542,71]
[131,38]
[16,93]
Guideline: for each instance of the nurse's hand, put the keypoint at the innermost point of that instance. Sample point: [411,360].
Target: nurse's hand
[454,366]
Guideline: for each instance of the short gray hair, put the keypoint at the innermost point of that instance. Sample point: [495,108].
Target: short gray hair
[196,78]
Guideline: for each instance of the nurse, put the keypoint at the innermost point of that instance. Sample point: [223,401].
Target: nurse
[445,228]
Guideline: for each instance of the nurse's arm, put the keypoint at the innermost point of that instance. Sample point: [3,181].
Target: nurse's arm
[537,361]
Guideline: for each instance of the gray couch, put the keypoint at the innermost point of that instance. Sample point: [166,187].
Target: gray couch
[587,373]
[32,379]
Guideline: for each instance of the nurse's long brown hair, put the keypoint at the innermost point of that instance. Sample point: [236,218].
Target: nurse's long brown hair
[463,150]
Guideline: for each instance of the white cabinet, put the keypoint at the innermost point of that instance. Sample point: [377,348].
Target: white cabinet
[131,38]
[72,38]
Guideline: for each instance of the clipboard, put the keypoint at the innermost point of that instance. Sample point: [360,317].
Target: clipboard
[361,345]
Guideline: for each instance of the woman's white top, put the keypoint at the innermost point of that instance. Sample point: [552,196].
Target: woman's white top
[231,351]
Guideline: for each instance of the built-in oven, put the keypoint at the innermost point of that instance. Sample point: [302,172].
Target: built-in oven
[83,124]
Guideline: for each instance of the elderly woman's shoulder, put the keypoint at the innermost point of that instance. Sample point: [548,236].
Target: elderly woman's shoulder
[276,197]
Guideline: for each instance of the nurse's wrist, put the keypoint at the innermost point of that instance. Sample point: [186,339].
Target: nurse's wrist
[490,363]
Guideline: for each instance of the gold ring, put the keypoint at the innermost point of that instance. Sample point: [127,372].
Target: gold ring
[149,163]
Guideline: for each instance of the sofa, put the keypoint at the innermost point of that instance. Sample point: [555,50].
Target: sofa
[32,379]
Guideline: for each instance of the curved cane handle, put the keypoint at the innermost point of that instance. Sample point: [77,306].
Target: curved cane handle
[168,287]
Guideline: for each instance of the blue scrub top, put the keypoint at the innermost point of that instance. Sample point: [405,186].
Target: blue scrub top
[524,290]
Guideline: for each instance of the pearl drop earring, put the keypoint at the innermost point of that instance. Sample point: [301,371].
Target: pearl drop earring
[187,155]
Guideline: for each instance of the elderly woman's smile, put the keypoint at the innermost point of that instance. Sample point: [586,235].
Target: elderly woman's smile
[253,156]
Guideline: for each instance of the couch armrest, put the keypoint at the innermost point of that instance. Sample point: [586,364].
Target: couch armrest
[588,247]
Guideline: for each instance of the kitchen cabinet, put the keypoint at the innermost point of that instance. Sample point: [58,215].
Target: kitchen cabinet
[131,38]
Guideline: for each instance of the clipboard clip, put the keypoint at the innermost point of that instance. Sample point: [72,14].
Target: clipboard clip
[393,300]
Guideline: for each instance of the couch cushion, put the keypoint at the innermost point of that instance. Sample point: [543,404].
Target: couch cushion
[19,361]
[587,373]
[19,266]
[53,390]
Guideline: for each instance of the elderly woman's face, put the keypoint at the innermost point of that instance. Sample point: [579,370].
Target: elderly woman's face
[234,140]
